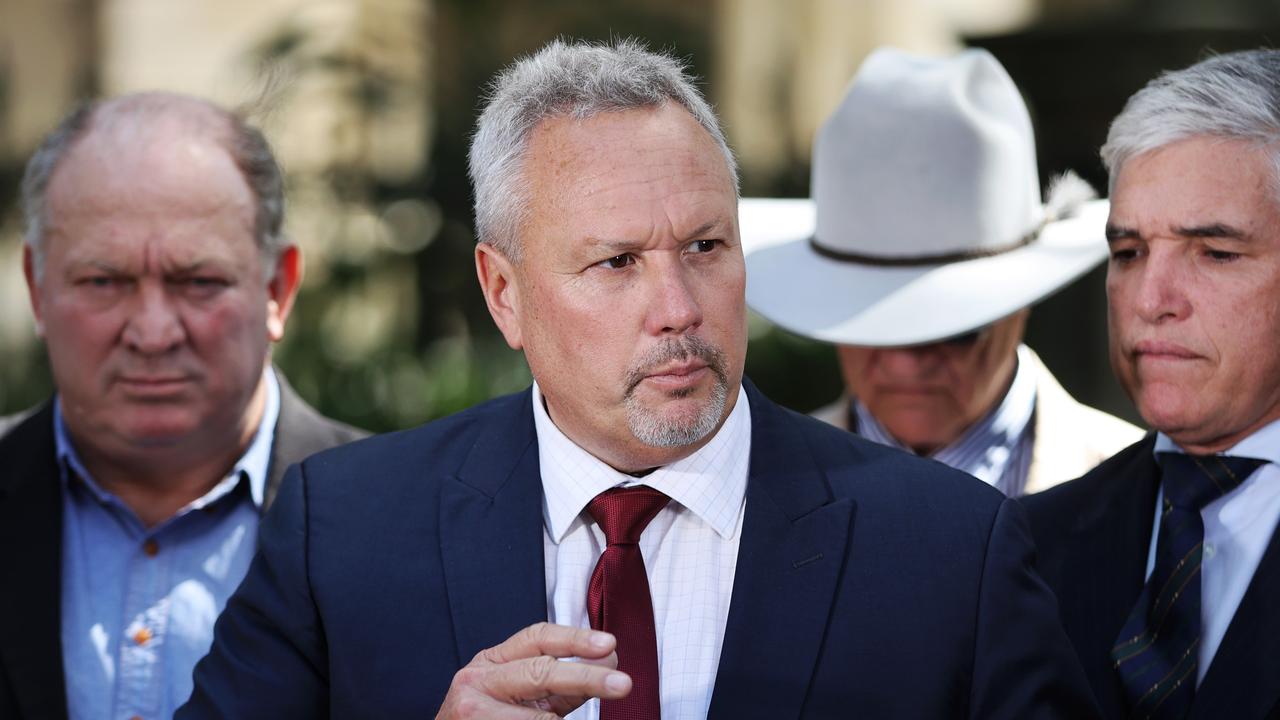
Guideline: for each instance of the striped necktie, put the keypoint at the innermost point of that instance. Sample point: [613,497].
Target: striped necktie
[1157,652]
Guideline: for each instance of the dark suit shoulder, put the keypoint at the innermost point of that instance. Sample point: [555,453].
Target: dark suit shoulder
[906,505]
[9,422]
[27,447]
[429,449]
[306,431]
[856,466]
[1060,506]
[31,670]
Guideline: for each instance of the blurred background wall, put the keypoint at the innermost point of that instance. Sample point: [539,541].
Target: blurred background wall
[370,103]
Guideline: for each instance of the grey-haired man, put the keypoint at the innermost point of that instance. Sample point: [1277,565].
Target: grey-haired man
[1165,558]
[642,508]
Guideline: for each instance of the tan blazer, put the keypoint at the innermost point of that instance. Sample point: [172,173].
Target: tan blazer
[1070,438]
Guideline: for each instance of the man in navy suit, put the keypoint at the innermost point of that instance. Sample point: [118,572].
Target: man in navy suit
[1165,558]
[642,509]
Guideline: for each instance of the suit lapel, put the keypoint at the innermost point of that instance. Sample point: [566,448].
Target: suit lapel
[30,568]
[794,541]
[1244,678]
[1112,541]
[491,533]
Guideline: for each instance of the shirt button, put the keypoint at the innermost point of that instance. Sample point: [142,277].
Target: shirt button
[151,548]
[142,636]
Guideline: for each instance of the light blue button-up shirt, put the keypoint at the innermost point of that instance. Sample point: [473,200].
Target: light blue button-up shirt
[138,604]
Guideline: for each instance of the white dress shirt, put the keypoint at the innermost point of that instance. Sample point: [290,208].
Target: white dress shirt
[1237,528]
[690,549]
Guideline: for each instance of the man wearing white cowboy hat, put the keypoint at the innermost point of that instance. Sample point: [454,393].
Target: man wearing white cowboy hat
[920,254]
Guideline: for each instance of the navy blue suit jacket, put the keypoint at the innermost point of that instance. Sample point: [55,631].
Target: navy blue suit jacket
[869,583]
[1094,535]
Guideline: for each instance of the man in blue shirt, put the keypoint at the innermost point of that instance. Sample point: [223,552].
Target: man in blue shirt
[129,503]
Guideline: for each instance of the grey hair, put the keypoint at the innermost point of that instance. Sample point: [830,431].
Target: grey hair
[579,80]
[246,145]
[1235,96]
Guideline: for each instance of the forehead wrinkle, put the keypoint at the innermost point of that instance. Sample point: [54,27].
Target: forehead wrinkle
[1213,230]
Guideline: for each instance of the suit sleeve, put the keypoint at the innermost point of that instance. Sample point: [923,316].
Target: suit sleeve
[269,657]
[1024,666]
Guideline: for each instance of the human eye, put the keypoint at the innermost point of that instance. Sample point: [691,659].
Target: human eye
[703,246]
[1221,256]
[200,285]
[617,262]
[1124,252]
[206,281]
[99,282]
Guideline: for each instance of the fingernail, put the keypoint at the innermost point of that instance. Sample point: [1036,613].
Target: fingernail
[617,682]
[601,640]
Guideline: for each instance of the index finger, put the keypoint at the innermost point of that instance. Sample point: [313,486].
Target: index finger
[560,641]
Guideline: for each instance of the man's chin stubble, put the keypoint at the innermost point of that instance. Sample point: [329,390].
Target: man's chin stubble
[653,429]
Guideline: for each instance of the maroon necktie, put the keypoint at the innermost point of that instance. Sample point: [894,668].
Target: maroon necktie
[618,599]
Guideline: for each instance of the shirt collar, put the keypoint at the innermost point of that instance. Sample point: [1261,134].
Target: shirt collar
[251,465]
[1263,444]
[711,482]
[999,430]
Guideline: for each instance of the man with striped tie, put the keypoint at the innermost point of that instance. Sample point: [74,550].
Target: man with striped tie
[1165,558]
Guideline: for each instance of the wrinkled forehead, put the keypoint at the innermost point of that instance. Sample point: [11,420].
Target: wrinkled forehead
[620,168]
[145,202]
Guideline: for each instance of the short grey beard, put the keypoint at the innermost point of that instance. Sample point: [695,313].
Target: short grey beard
[652,428]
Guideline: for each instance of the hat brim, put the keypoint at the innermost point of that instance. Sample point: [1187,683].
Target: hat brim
[854,304]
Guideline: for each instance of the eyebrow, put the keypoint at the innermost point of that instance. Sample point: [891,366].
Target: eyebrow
[1211,230]
[707,227]
[107,267]
[74,265]
[1118,232]
[619,247]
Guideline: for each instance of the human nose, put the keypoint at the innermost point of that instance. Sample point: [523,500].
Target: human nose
[1160,293]
[154,327]
[909,363]
[674,309]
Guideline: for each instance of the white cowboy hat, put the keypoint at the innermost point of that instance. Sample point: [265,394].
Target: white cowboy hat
[926,221]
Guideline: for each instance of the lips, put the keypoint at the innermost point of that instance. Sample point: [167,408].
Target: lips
[910,389]
[1163,350]
[678,374]
[153,385]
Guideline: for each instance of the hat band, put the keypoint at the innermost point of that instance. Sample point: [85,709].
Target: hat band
[919,260]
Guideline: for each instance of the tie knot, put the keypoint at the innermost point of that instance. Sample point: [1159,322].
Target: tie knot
[623,513]
[1193,481]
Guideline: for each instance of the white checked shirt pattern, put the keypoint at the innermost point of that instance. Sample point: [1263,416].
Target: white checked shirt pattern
[690,549]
